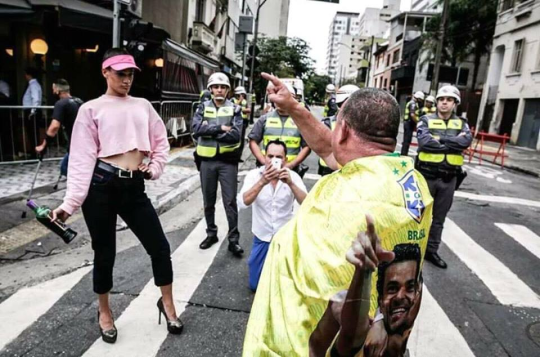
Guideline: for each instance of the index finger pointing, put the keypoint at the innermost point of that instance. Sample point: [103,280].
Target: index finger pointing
[275,81]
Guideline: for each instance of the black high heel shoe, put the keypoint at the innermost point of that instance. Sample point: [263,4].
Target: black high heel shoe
[108,336]
[174,327]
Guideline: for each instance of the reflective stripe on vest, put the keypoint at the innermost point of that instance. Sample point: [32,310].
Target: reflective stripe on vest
[275,129]
[426,110]
[407,115]
[333,121]
[207,146]
[242,103]
[437,128]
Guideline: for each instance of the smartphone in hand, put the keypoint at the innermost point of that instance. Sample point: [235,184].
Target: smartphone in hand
[276,163]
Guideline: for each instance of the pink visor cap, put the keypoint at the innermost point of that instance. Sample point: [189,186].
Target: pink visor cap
[120,62]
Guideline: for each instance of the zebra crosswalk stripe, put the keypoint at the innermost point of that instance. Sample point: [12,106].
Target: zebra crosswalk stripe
[24,307]
[138,331]
[523,236]
[434,334]
[506,286]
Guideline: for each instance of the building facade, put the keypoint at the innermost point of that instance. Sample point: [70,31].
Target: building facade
[274,18]
[375,22]
[511,99]
[338,52]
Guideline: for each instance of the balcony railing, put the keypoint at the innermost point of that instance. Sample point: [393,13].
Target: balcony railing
[204,39]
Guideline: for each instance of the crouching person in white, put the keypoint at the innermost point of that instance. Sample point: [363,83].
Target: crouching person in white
[271,190]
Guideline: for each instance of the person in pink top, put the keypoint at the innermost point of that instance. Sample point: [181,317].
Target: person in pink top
[111,138]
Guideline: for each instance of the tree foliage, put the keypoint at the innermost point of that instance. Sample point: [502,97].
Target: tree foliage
[285,57]
[315,87]
[469,32]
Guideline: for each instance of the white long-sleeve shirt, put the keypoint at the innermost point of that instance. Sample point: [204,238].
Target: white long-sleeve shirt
[272,208]
[32,96]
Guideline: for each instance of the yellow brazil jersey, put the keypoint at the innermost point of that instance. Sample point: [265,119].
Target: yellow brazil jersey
[306,263]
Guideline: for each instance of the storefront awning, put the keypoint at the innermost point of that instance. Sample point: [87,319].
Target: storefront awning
[75,5]
[14,7]
[183,51]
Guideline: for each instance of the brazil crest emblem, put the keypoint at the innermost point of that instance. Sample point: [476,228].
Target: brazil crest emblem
[412,196]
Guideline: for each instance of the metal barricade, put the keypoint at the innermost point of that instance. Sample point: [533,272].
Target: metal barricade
[22,128]
[177,117]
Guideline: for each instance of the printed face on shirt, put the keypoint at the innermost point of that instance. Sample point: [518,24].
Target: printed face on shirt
[119,81]
[400,292]
[446,104]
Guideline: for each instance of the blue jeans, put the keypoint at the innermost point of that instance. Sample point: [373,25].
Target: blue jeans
[64,165]
[256,261]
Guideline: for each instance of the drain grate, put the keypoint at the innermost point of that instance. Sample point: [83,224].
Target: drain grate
[533,331]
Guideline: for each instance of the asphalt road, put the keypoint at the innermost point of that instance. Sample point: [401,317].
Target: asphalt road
[485,304]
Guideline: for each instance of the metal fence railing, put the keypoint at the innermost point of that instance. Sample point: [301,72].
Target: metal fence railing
[176,115]
[21,130]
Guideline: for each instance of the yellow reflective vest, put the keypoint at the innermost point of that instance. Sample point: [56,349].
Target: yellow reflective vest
[437,128]
[407,115]
[208,146]
[275,128]
[243,104]
[306,266]
[426,110]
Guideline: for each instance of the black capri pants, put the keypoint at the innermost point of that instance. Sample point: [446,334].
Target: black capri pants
[109,196]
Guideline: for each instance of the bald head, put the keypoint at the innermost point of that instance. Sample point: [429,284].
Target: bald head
[372,114]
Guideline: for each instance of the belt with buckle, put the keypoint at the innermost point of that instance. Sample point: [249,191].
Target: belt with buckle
[118,171]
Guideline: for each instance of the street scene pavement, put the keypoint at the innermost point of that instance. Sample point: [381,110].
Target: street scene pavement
[486,303]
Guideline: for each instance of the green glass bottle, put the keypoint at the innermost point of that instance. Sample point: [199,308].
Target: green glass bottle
[43,215]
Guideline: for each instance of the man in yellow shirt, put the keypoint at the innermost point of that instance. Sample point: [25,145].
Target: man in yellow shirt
[306,265]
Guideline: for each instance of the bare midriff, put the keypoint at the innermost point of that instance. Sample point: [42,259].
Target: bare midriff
[128,161]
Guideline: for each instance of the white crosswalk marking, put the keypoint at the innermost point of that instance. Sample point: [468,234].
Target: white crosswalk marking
[24,307]
[503,283]
[523,236]
[434,334]
[138,331]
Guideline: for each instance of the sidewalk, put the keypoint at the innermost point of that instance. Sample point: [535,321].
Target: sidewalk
[179,179]
[519,159]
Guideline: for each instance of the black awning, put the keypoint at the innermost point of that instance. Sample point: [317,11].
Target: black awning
[183,51]
[14,7]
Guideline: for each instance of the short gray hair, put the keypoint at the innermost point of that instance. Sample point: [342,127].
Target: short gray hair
[62,85]
[373,114]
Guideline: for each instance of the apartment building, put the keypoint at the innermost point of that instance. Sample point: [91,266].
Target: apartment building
[511,97]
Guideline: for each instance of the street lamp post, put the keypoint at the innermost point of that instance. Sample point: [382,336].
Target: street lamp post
[116,24]
[255,37]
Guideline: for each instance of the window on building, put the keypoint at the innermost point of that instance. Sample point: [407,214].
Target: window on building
[538,59]
[199,10]
[385,83]
[507,4]
[388,60]
[376,82]
[396,56]
[518,56]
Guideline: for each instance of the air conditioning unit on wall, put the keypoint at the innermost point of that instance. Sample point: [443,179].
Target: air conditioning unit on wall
[134,7]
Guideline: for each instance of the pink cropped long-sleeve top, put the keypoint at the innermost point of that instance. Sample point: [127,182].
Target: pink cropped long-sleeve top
[108,126]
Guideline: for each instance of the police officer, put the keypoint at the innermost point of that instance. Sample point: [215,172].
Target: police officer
[330,108]
[217,126]
[412,114]
[429,106]
[342,94]
[277,124]
[442,137]
[240,95]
